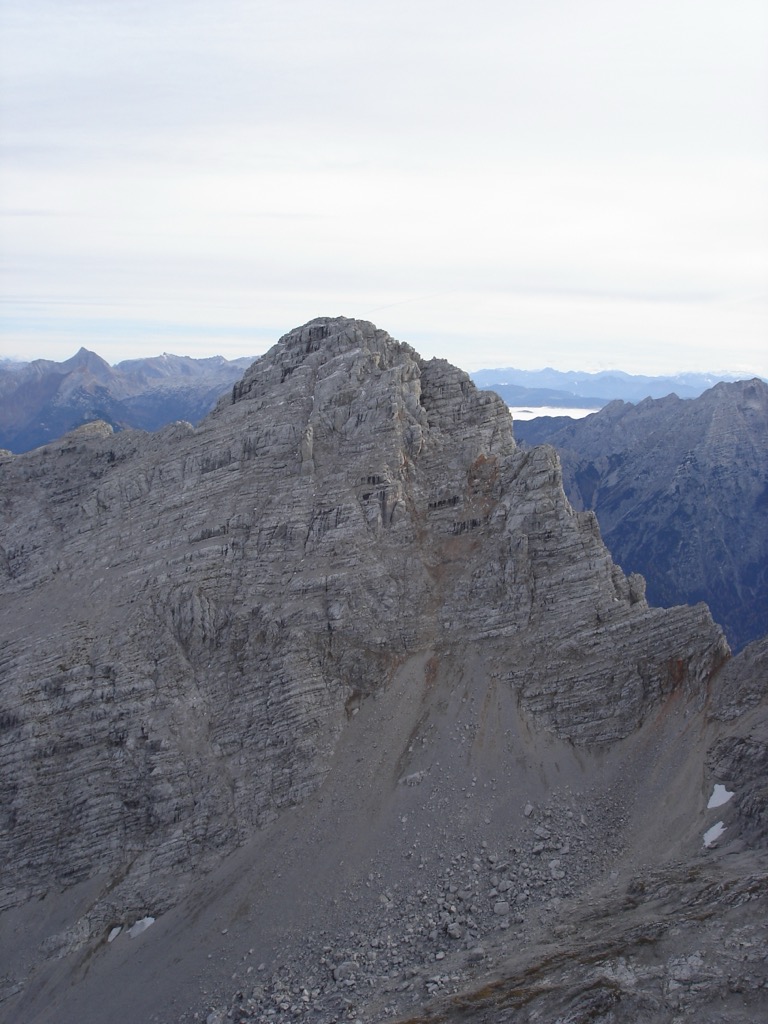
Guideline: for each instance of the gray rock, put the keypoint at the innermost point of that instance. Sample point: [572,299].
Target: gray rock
[219,656]
[679,488]
[345,971]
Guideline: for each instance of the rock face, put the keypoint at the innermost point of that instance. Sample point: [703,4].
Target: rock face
[303,666]
[680,489]
[42,400]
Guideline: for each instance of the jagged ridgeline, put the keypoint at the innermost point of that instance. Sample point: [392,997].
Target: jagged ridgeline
[680,488]
[41,400]
[193,620]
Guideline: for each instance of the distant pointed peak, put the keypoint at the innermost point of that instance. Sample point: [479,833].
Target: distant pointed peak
[85,361]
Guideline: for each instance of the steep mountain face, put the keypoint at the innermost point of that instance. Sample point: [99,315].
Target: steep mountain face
[336,686]
[42,400]
[680,489]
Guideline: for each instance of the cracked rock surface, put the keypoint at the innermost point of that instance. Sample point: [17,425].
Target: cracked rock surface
[339,700]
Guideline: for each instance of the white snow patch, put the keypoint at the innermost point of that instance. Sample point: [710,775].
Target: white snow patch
[114,933]
[720,796]
[140,926]
[713,834]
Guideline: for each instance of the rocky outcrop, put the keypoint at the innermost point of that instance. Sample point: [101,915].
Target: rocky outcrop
[347,577]
[680,489]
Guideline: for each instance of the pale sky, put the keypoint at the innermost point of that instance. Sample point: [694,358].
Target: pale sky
[574,183]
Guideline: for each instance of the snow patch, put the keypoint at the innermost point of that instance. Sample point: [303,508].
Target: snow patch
[140,926]
[720,796]
[713,834]
[114,933]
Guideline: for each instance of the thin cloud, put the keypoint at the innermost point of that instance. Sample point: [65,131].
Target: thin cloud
[577,178]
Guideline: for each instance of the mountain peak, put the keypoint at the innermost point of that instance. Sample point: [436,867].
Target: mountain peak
[85,360]
[352,393]
[84,355]
[313,347]
[351,651]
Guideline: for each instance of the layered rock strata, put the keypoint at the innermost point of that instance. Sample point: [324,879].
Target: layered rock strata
[192,619]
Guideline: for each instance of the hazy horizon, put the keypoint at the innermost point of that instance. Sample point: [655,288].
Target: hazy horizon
[716,373]
[496,184]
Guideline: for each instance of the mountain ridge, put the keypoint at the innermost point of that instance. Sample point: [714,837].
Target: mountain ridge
[42,400]
[352,692]
[600,386]
[680,488]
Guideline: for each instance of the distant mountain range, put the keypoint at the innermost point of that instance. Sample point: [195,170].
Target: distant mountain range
[570,388]
[680,490]
[41,400]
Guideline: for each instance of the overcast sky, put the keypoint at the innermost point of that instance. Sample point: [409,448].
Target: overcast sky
[574,183]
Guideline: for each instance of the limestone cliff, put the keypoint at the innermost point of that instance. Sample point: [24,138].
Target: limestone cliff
[192,619]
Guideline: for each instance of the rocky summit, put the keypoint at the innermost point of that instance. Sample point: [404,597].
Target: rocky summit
[332,708]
